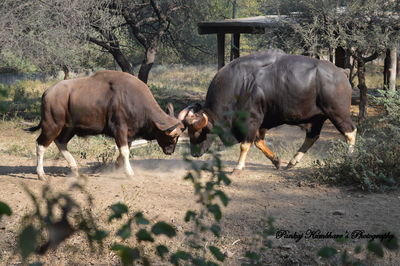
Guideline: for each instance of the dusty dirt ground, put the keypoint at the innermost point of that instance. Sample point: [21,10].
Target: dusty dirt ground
[260,191]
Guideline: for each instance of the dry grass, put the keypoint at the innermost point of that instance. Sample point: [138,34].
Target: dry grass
[374,78]
[182,78]
[169,83]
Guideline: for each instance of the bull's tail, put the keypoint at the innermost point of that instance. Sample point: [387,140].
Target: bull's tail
[33,129]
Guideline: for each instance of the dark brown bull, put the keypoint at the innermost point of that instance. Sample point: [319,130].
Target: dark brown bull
[112,103]
[273,88]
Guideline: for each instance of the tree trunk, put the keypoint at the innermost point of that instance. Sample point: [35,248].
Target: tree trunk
[363,88]
[122,61]
[66,72]
[392,69]
[340,57]
[330,54]
[386,66]
[352,72]
[112,46]
[147,64]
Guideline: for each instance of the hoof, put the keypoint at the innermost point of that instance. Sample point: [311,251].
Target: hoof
[236,171]
[290,165]
[130,175]
[75,172]
[42,177]
[118,165]
[79,180]
[277,163]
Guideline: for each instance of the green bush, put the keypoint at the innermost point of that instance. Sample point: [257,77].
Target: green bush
[375,164]
[22,99]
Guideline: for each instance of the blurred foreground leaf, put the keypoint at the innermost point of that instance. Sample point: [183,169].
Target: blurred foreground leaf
[5,209]
[164,229]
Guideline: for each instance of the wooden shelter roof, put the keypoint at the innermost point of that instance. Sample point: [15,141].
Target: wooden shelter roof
[251,25]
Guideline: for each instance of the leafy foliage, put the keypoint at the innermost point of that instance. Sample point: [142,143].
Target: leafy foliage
[372,247]
[327,252]
[118,210]
[4,209]
[42,230]
[375,165]
[45,228]
[260,242]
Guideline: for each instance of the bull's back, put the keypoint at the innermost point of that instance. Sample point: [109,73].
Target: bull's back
[296,88]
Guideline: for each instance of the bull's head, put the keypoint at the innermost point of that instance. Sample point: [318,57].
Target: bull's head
[167,136]
[199,129]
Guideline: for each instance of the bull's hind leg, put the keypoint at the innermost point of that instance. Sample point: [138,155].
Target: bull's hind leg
[40,149]
[348,130]
[341,119]
[68,157]
[260,144]
[62,142]
[46,137]
[339,114]
[312,136]
[351,139]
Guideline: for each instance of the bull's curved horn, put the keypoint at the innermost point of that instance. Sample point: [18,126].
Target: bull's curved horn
[182,114]
[194,107]
[169,109]
[201,123]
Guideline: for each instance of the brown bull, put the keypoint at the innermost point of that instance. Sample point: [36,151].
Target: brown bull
[112,103]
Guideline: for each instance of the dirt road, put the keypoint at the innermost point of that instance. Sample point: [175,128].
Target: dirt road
[260,191]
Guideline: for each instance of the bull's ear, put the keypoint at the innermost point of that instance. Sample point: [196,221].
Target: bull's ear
[169,109]
[196,107]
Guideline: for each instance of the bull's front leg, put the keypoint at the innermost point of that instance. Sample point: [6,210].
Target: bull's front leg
[68,157]
[260,144]
[244,149]
[123,147]
[120,159]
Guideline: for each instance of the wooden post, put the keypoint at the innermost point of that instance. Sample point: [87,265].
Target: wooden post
[235,48]
[221,49]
